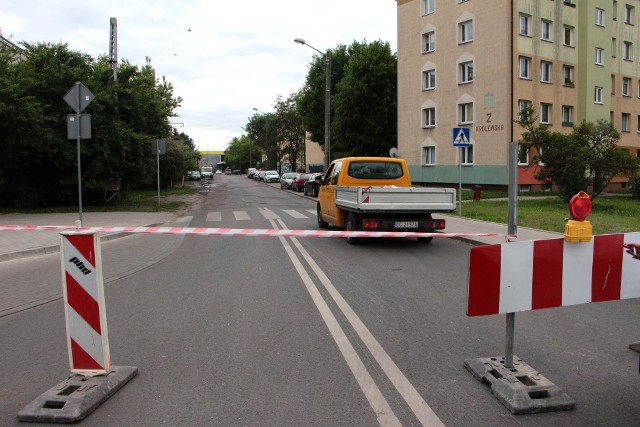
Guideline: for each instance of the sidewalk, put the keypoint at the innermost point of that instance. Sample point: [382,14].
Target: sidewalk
[17,244]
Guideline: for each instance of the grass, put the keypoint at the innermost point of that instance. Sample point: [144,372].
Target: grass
[610,214]
[132,201]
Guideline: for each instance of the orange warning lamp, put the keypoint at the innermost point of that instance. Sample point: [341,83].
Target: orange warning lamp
[576,228]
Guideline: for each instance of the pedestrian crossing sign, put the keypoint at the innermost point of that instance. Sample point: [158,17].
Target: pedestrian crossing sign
[461,137]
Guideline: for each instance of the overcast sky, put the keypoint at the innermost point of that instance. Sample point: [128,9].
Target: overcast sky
[237,56]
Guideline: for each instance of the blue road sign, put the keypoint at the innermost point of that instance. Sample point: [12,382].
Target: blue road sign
[461,137]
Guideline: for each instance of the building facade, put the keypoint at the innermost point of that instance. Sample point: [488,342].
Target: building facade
[476,63]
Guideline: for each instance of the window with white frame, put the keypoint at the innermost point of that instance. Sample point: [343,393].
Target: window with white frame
[467,155]
[599,17]
[545,30]
[466,72]
[428,79]
[429,155]
[626,121]
[523,156]
[429,6]
[567,115]
[626,86]
[545,114]
[429,117]
[628,14]
[599,56]
[465,32]
[524,67]
[525,25]
[597,95]
[522,104]
[465,113]
[638,130]
[545,71]
[626,51]
[429,42]
[567,74]
[568,36]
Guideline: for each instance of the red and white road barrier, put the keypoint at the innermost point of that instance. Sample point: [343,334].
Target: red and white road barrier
[530,275]
[85,314]
[242,231]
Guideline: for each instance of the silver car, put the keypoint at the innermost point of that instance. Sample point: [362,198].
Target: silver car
[286,179]
[271,176]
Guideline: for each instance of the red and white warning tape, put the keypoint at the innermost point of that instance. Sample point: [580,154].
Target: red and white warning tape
[242,231]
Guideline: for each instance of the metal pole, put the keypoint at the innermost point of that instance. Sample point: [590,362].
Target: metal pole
[460,184]
[78,153]
[327,113]
[158,163]
[512,230]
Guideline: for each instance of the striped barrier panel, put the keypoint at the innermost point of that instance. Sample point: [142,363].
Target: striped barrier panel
[85,314]
[531,275]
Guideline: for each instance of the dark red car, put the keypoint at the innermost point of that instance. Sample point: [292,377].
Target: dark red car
[298,183]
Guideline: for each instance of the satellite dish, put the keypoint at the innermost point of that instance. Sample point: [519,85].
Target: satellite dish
[393,152]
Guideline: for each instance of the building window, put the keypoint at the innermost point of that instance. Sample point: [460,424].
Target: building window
[429,156]
[465,113]
[429,42]
[465,32]
[545,71]
[429,117]
[613,84]
[626,119]
[523,156]
[638,129]
[545,30]
[467,155]
[429,6]
[545,114]
[626,86]
[523,71]
[628,14]
[522,104]
[626,51]
[567,74]
[599,56]
[568,36]
[597,95]
[525,25]
[466,72]
[599,17]
[567,115]
[429,80]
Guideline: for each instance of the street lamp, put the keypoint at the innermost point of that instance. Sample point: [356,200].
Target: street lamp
[266,130]
[327,103]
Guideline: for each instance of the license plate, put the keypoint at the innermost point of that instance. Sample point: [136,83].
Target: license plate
[405,224]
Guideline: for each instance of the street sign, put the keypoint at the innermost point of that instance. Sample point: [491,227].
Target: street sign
[158,146]
[78,97]
[85,126]
[461,137]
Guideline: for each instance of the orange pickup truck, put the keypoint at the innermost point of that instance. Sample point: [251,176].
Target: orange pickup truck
[375,194]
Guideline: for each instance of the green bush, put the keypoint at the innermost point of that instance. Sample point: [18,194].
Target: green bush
[634,186]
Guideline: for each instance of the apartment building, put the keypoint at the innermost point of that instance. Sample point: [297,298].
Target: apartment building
[476,63]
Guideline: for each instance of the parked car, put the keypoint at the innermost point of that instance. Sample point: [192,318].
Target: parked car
[312,186]
[218,172]
[260,176]
[271,176]
[298,183]
[194,176]
[286,179]
[251,172]
[236,172]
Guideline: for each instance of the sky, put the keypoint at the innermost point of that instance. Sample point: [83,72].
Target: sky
[237,56]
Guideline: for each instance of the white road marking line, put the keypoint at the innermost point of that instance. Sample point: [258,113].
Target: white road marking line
[379,404]
[269,214]
[294,213]
[214,216]
[420,408]
[312,211]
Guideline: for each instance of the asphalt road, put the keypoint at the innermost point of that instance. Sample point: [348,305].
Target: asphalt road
[289,331]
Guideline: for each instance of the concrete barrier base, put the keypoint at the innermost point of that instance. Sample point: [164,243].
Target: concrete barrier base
[521,389]
[76,397]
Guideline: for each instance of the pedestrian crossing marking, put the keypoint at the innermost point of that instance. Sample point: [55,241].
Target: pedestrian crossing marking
[214,216]
[295,214]
[269,214]
[241,215]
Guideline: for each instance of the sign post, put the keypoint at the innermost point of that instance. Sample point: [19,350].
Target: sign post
[78,97]
[461,138]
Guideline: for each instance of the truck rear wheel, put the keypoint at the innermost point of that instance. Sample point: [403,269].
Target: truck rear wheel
[321,222]
[352,223]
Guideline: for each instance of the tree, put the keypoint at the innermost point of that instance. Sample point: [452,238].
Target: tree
[242,153]
[291,129]
[365,122]
[588,157]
